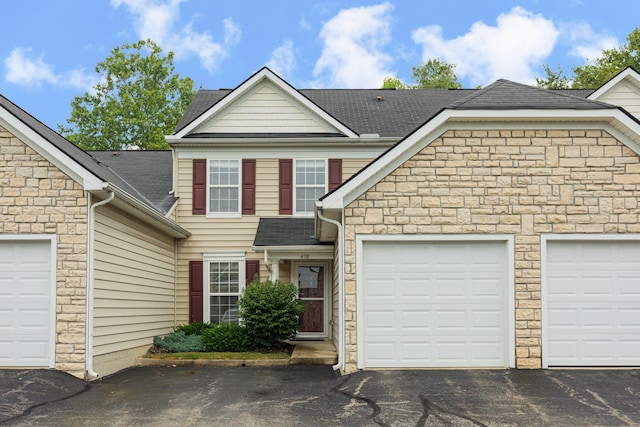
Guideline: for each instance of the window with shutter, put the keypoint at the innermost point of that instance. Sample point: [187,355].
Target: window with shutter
[335,173]
[286,186]
[248,187]
[196,302]
[199,187]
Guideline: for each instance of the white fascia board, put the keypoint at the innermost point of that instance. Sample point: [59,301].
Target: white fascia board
[613,120]
[49,151]
[264,74]
[628,73]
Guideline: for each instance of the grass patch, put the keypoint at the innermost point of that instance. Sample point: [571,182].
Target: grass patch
[218,355]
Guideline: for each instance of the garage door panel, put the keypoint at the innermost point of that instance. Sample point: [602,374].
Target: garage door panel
[25,303]
[448,301]
[592,309]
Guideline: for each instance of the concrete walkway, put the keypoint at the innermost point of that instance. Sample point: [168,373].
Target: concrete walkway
[314,353]
[304,353]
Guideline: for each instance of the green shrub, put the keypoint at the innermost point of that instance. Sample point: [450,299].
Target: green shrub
[179,342]
[270,312]
[223,337]
[195,328]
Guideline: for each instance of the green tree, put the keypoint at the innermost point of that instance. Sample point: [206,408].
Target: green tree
[554,79]
[433,74]
[393,83]
[601,70]
[138,99]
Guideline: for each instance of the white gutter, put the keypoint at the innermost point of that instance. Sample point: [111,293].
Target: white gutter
[341,344]
[90,373]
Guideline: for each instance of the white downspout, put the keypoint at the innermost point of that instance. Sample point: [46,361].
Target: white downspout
[90,251]
[341,343]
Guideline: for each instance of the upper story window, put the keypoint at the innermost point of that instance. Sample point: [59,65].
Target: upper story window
[310,184]
[224,187]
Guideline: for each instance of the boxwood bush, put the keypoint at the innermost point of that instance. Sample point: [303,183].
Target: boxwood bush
[195,328]
[223,337]
[178,342]
[270,312]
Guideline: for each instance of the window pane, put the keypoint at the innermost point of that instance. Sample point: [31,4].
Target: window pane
[224,176]
[223,309]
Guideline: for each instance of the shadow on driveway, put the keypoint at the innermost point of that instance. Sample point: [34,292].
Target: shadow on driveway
[316,396]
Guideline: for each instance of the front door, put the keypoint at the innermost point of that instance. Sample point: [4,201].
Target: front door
[312,280]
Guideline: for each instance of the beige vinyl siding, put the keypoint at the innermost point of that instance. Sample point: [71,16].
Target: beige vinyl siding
[229,234]
[351,166]
[624,95]
[266,109]
[134,282]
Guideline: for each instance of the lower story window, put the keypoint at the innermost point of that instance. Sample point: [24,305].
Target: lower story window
[225,285]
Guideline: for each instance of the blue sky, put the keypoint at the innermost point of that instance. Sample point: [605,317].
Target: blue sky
[48,49]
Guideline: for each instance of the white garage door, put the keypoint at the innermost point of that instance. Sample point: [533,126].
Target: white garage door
[434,304]
[592,304]
[25,303]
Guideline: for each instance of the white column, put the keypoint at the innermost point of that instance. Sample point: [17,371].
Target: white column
[275,269]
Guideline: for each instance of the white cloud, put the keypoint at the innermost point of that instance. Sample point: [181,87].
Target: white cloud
[158,20]
[353,41]
[585,43]
[283,60]
[512,49]
[25,70]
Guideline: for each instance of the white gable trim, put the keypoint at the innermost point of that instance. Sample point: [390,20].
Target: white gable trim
[614,121]
[628,74]
[50,152]
[265,74]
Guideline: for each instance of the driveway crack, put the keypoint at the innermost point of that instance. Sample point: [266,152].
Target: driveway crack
[370,402]
[429,408]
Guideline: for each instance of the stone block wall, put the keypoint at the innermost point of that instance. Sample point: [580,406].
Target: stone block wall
[37,198]
[519,182]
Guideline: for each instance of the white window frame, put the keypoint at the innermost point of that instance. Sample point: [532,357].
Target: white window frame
[235,214]
[208,258]
[295,183]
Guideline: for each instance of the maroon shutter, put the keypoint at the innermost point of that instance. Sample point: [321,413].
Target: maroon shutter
[335,173]
[196,304]
[248,187]
[252,269]
[286,186]
[199,202]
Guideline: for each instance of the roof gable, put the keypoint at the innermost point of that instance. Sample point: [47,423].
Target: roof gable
[242,111]
[622,90]
[504,102]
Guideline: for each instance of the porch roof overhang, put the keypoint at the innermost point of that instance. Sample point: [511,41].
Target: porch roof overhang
[290,238]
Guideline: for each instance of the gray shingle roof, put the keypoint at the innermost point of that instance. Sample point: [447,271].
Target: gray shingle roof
[286,231]
[507,95]
[83,158]
[399,112]
[150,172]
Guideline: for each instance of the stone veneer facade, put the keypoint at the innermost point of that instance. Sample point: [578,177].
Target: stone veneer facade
[519,182]
[37,198]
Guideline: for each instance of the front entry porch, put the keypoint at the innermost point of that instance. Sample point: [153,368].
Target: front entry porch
[292,253]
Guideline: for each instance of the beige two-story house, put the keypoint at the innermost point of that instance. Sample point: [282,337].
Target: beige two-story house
[493,227]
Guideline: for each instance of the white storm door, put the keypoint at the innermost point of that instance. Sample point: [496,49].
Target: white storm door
[592,303]
[27,281]
[435,304]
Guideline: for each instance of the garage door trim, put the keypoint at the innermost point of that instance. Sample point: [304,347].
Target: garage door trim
[51,240]
[544,240]
[509,241]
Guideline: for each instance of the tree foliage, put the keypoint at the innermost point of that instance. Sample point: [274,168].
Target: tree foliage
[433,74]
[138,99]
[600,70]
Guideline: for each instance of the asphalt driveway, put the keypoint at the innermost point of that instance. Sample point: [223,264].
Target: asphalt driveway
[316,396]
